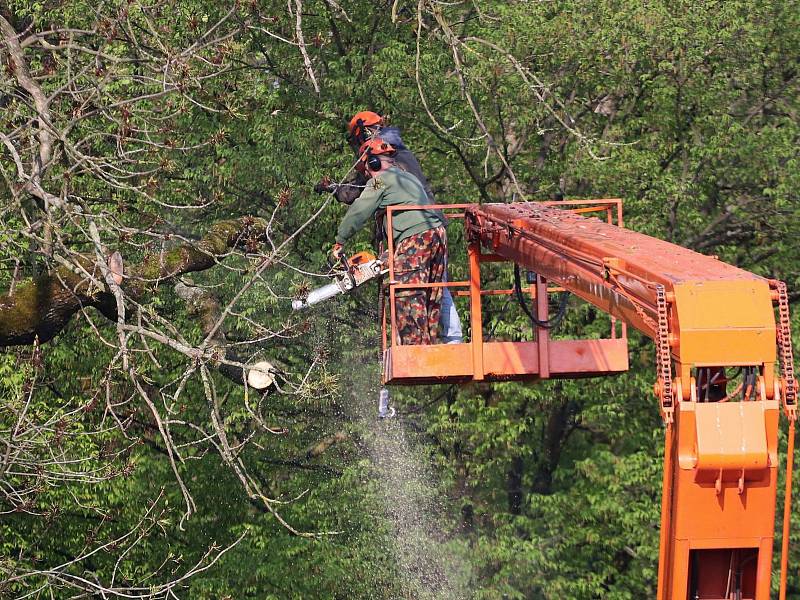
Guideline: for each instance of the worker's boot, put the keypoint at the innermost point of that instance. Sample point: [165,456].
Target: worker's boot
[384,410]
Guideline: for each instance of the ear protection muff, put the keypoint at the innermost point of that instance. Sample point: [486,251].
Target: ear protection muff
[373,162]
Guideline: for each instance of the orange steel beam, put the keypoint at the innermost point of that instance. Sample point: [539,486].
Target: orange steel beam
[787,512]
[476,314]
[666,506]
[542,333]
[721,315]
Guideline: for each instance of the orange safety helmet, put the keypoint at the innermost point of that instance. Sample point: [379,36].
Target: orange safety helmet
[376,146]
[365,118]
[370,150]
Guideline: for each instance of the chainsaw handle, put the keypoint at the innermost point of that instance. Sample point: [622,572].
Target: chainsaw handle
[345,265]
[348,270]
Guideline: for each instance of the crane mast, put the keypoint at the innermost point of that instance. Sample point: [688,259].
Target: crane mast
[707,318]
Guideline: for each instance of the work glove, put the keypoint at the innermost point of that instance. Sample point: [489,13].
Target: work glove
[325,186]
[337,251]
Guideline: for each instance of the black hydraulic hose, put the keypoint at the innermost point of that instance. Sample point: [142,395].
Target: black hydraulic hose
[550,323]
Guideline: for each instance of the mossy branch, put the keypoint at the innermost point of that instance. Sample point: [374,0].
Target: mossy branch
[40,308]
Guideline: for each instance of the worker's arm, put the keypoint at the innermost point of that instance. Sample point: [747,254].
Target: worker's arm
[351,188]
[360,211]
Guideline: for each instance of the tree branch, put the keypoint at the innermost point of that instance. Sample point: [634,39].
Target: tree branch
[33,183]
[42,307]
[205,305]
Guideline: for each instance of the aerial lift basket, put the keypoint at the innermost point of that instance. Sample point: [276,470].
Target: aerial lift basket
[481,359]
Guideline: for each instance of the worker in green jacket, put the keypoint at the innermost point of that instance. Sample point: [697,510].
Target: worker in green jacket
[419,238]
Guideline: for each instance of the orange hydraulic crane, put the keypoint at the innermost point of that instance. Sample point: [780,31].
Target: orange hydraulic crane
[706,318]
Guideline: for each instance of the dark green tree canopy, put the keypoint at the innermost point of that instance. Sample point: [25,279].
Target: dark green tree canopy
[157,160]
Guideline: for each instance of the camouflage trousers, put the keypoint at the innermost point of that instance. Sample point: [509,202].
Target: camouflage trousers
[421,258]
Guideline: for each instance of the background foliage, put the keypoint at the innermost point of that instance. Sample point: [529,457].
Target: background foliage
[688,111]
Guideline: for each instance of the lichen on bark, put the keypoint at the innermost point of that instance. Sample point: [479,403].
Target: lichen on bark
[40,308]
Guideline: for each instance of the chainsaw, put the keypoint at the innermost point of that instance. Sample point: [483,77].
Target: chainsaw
[347,276]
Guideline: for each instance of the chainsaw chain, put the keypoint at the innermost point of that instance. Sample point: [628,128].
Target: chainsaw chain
[663,357]
[784,332]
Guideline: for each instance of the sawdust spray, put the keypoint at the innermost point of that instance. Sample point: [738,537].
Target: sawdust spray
[428,565]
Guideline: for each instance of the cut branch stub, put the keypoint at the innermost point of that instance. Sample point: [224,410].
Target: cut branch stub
[116,267]
[260,375]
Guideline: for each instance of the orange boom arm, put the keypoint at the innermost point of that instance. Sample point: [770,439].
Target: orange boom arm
[705,316]
[720,476]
